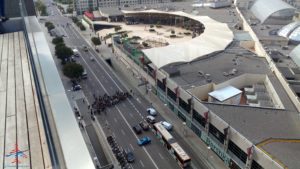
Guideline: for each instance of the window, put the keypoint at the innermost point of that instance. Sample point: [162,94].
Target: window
[184,105]
[215,132]
[161,85]
[239,153]
[171,94]
[255,165]
[199,118]
[181,116]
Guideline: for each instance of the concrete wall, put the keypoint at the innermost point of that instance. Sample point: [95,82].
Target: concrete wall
[201,92]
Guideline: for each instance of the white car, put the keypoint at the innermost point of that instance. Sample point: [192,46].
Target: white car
[166,125]
[151,111]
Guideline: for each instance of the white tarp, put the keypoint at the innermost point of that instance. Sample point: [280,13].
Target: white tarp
[216,37]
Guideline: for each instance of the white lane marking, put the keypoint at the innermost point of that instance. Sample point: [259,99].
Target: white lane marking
[137,99]
[131,147]
[122,131]
[74,32]
[115,120]
[121,114]
[160,156]
[155,165]
[142,163]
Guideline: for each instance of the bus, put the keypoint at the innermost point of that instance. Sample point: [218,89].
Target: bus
[173,147]
[163,135]
[182,158]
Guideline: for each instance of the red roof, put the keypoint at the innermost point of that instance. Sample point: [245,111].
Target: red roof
[89,15]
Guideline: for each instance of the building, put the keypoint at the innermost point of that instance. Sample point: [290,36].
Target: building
[83,5]
[36,118]
[253,134]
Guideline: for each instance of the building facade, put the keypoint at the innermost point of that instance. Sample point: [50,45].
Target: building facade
[83,5]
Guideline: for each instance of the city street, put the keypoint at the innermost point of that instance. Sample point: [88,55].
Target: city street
[122,116]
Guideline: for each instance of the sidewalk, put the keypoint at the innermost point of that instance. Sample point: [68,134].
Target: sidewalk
[196,148]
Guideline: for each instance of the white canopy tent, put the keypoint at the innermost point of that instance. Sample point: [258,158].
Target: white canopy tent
[216,37]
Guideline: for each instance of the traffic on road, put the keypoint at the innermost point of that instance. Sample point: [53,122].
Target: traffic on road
[130,126]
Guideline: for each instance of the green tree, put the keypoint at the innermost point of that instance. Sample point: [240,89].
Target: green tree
[70,10]
[63,52]
[82,27]
[117,28]
[57,40]
[73,70]
[96,41]
[49,25]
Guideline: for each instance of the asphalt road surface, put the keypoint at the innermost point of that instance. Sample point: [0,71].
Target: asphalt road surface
[124,115]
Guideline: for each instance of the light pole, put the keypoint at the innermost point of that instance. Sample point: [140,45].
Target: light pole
[207,154]
[184,128]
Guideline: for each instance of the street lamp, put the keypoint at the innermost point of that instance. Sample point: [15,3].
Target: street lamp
[208,149]
[184,128]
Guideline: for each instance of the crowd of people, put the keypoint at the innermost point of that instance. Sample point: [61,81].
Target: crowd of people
[102,102]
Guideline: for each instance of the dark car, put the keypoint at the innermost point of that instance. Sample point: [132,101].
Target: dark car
[129,156]
[144,125]
[85,48]
[137,129]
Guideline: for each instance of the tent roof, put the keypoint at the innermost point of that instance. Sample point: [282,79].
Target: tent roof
[216,37]
[262,9]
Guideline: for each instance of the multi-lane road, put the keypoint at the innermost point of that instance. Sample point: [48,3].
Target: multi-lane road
[120,118]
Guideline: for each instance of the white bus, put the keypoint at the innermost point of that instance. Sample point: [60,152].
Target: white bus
[182,158]
[164,136]
[173,147]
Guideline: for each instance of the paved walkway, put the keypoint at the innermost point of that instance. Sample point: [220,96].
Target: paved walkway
[197,148]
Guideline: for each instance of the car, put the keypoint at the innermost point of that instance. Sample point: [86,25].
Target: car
[129,156]
[166,125]
[76,87]
[151,111]
[150,119]
[92,58]
[137,129]
[144,141]
[76,55]
[144,125]
[85,48]
[72,59]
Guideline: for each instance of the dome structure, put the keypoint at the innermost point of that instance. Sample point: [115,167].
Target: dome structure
[291,31]
[265,9]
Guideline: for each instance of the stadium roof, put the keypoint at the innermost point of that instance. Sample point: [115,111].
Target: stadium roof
[216,37]
[263,9]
